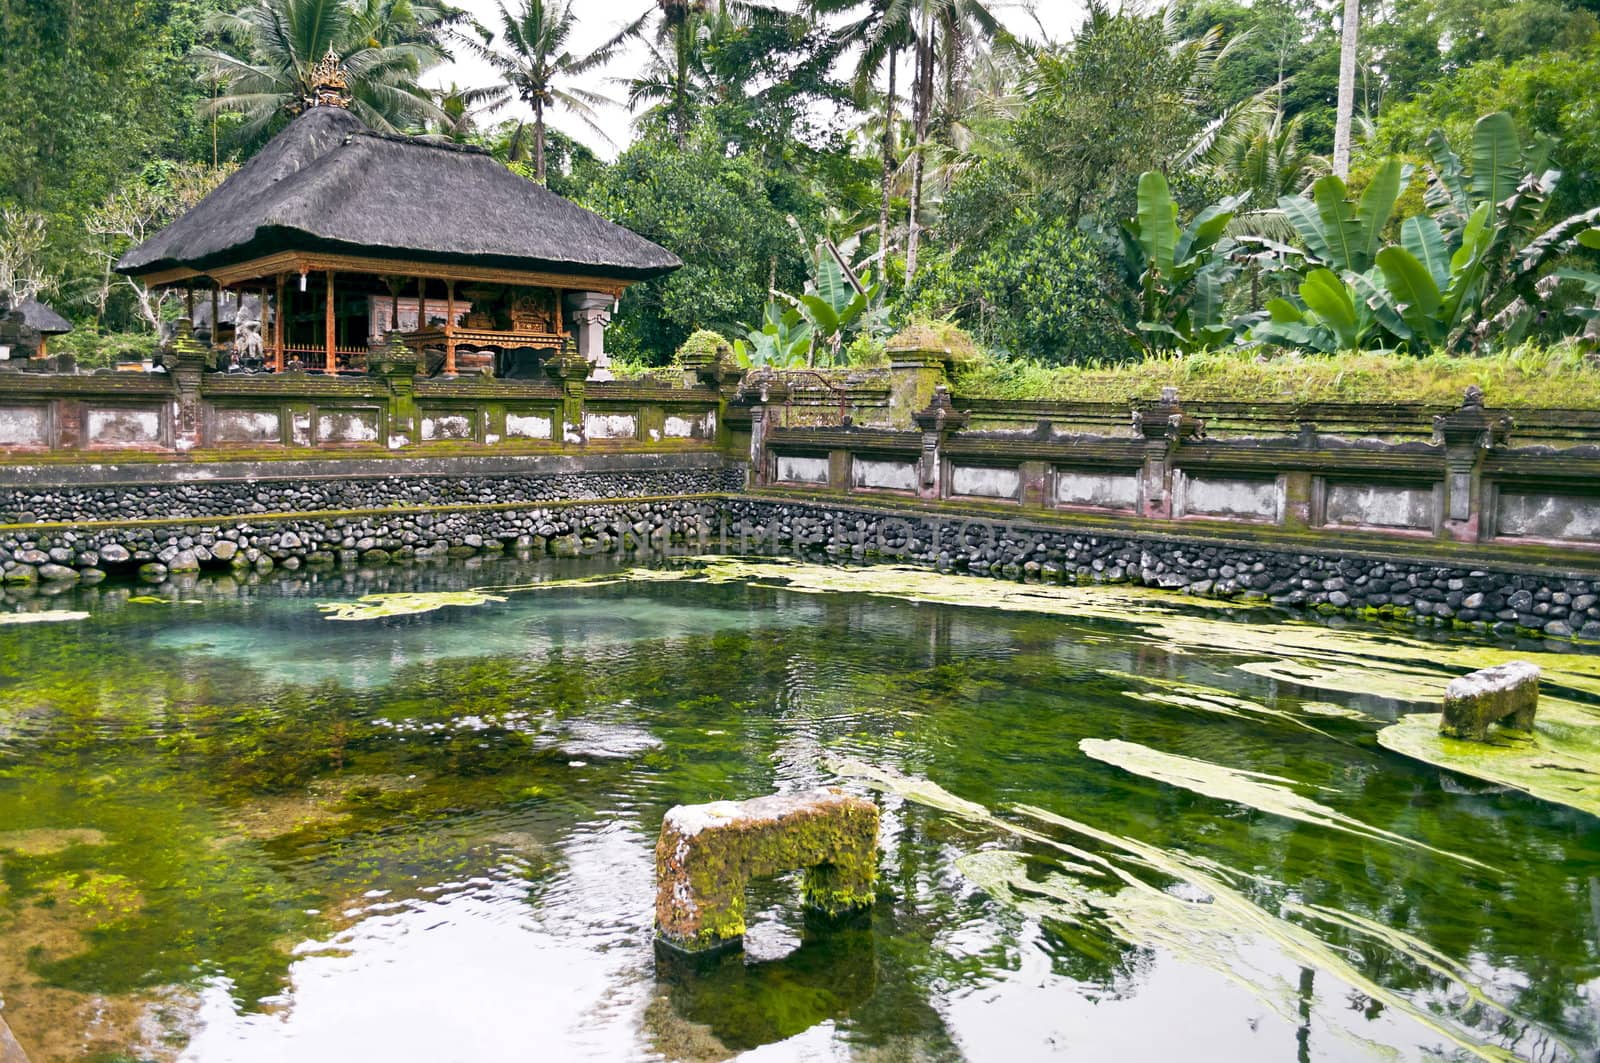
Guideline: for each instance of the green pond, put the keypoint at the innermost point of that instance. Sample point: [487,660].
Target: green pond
[241,822]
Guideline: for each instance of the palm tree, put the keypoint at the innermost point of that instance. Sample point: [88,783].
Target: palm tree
[880,35]
[1344,119]
[942,35]
[674,82]
[460,108]
[383,47]
[533,62]
[678,32]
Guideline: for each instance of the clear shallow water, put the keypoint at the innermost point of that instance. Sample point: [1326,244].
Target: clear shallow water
[231,829]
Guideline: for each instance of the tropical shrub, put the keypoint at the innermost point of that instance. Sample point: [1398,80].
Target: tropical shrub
[1465,276]
[1179,272]
[1040,288]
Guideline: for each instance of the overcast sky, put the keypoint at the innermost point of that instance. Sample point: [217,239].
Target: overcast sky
[600,20]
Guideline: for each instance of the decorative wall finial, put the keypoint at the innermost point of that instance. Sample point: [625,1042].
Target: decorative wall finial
[329,88]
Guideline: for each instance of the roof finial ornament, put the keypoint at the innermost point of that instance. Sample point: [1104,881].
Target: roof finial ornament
[328,85]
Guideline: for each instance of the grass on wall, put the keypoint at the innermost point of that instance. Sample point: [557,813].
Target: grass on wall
[1560,377]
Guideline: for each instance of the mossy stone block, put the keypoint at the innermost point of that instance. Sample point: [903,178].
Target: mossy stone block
[707,854]
[1507,693]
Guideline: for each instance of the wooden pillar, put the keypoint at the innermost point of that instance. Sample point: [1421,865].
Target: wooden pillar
[188,303]
[328,327]
[450,328]
[393,284]
[216,315]
[278,316]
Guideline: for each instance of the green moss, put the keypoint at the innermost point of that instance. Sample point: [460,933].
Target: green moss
[1557,377]
[1559,761]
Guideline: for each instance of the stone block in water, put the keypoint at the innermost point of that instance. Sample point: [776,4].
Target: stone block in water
[707,854]
[1507,693]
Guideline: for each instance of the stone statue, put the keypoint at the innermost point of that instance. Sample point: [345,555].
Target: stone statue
[248,350]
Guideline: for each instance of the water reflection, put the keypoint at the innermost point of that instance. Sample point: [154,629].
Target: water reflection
[228,823]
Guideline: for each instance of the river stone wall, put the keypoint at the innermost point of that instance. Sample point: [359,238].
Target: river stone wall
[312,487]
[1506,602]
[60,558]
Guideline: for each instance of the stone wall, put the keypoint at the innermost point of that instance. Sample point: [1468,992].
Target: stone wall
[184,409]
[60,557]
[1553,603]
[1473,474]
[35,495]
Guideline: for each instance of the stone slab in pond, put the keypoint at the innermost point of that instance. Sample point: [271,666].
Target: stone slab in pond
[1506,693]
[707,855]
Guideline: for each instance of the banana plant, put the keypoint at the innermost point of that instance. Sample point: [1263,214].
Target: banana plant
[1510,188]
[836,302]
[1339,234]
[1590,281]
[1179,271]
[782,342]
[1333,315]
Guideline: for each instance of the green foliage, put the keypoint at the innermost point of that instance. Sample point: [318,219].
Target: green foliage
[93,349]
[1338,233]
[1465,275]
[1179,271]
[1121,99]
[724,216]
[702,345]
[268,50]
[1037,288]
[1529,375]
[782,342]
[1540,93]
[94,88]
[835,304]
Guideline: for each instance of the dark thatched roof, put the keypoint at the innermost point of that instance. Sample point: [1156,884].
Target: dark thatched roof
[41,318]
[328,183]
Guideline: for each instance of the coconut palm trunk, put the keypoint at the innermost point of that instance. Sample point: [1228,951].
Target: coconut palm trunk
[888,176]
[922,99]
[538,140]
[1344,121]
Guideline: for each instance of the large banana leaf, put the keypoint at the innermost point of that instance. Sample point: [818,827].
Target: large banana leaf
[1380,304]
[831,287]
[1411,283]
[1326,295]
[1425,240]
[1469,264]
[1208,227]
[1447,191]
[1372,213]
[824,319]
[1301,215]
[1590,238]
[1158,222]
[1497,167]
[1339,234]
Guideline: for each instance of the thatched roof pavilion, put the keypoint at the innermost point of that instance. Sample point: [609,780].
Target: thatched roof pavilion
[451,247]
[29,319]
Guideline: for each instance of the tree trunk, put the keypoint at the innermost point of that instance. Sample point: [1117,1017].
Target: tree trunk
[922,98]
[888,178]
[538,140]
[680,91]
[1345,119]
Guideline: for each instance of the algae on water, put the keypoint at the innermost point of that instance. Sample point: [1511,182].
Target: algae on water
[380,606]
[1559,761]
[49,616]
[1267,793]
